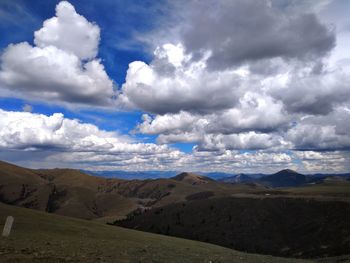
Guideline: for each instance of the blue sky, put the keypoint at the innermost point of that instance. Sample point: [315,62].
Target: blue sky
[152,85]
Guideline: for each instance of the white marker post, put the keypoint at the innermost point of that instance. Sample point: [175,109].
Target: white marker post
[8,225]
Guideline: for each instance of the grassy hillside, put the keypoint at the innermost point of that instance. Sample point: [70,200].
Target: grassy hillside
[42,237]
[332,188]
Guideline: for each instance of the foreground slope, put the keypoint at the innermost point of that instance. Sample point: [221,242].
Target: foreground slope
[42,237]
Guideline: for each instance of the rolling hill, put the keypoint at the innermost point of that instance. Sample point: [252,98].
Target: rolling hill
[42,237]
[73,193]
[284,178]
[193,179]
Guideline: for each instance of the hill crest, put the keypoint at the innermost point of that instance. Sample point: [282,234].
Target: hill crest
[192,178]
[284,178]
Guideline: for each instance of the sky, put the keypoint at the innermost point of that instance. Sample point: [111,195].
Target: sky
[226,86]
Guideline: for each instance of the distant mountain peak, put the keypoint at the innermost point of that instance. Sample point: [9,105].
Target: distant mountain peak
[191,178]
[288,171]
[285,178]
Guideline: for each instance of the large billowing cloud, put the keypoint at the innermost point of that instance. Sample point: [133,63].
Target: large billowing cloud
[171,83]
[70,32]
[62,66]
[31,132]
[248,30]
[330,132]
[244,75]
[314,93]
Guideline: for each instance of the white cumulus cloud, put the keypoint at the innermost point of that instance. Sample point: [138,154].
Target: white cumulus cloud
[70,32]
[171,84]
[31,132]
[62,66]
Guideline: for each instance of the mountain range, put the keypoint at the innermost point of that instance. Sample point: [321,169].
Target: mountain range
[271,180]
[283,178]
[283,214]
